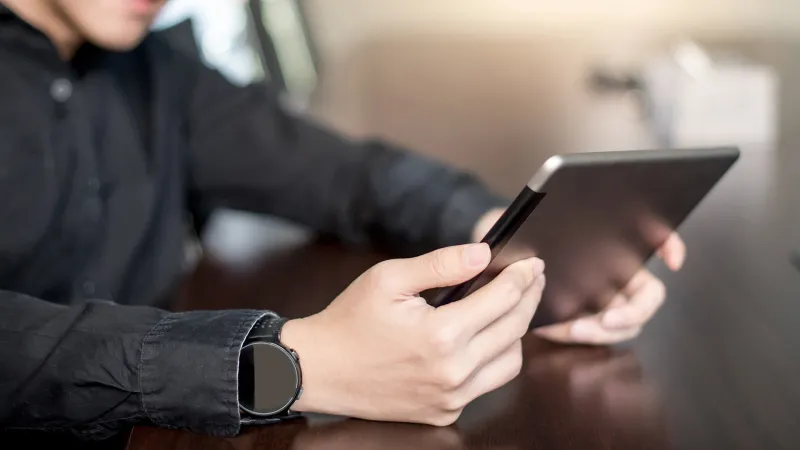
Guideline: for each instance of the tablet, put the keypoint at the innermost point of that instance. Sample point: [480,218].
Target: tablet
[595,219]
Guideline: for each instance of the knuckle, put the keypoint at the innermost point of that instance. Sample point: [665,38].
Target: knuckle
[452,403]
[523,276]
[438,264]
[511,292]
[443,340]
[380,274]
[381,267]
[451,376]
[528,276]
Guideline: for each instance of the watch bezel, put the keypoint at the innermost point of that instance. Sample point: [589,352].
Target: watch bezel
[298,380]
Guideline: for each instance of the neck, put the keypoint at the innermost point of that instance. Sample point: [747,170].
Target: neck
[48,18]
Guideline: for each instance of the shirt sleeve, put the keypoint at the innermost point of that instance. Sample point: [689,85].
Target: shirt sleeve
[247,152]
[94,368]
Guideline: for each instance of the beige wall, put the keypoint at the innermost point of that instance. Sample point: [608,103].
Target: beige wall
[452,78]
[342,24]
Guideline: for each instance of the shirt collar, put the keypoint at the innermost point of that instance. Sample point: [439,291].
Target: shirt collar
[34,41]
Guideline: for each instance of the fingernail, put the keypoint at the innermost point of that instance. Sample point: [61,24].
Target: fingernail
[582,330]
[476,255]
[614,319]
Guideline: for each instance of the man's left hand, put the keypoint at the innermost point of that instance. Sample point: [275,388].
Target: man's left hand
[627,313]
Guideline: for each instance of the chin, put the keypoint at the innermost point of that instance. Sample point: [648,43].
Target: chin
[120,38]
[119,44]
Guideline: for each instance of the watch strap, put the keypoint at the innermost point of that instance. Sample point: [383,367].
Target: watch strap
[248,419]
[267,328]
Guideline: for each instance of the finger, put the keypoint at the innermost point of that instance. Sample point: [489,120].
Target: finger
[587,330]
[504,368]
[476,311]
[673,252]
[444,267]
[635,284]
[619,299]
[495,338]
[645,298]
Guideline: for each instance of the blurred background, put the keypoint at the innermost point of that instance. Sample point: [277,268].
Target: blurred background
[460,79]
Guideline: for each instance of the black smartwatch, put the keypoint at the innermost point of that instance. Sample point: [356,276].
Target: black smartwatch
[270,380]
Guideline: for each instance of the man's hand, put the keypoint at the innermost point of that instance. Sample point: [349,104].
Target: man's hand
[380,352]
[627,313]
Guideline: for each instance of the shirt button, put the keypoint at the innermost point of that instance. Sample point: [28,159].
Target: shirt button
[92,208]
[89,288]
[61,90]
[93,184]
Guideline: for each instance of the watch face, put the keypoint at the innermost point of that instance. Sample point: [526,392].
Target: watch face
[272,384]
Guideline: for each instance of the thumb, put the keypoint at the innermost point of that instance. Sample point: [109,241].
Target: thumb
[444,267]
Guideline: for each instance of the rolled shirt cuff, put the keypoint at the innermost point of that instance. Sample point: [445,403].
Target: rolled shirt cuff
[189,370]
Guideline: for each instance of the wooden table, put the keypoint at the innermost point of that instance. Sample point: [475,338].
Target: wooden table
[718,368]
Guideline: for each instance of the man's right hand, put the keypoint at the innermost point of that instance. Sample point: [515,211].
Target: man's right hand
[380,352]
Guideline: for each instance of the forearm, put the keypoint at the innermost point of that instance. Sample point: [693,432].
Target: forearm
[373,194]
[248,153]
[368,194]
[94,368]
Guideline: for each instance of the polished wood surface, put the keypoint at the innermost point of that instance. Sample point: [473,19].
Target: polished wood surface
[716,369]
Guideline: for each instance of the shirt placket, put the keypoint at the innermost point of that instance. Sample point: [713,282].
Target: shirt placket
[74,112]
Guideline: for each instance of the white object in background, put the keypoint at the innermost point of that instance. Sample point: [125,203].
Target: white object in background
[221,32]
[697,101]
[239,239]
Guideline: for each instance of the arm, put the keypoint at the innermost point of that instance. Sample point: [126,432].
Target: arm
[96,367]
[248,153]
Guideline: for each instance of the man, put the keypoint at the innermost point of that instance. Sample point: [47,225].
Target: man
[110,142]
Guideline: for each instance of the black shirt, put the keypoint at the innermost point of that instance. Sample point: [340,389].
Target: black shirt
[104,160]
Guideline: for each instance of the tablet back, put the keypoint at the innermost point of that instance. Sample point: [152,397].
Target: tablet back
[595,219]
